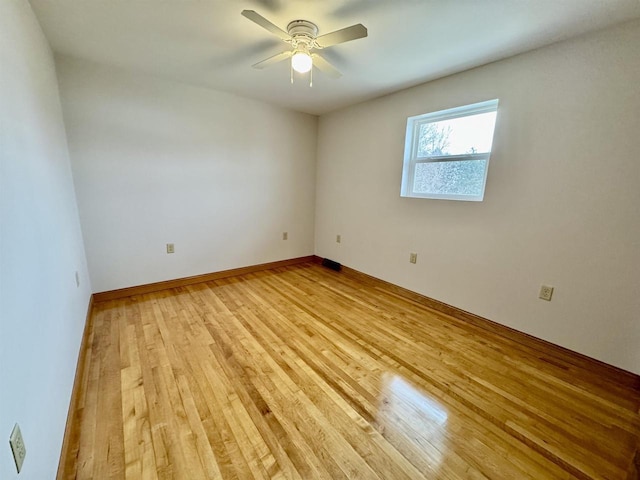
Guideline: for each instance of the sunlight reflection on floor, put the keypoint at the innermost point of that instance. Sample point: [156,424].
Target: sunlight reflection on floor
[415,422]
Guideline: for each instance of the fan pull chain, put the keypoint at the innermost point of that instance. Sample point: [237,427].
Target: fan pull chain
[311,77]
[291,73]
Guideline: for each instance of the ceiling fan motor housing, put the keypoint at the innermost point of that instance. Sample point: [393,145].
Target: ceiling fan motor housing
[303,34]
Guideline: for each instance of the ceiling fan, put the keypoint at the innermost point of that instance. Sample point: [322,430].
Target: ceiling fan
[303,37]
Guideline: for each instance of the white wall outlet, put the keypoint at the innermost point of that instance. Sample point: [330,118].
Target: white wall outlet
[338,238]
[77,279]
[171,248]
[285,235]
[17,447]
[546,292]
[413,258]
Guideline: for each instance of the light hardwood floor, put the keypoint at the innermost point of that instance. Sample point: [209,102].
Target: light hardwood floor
[305,373]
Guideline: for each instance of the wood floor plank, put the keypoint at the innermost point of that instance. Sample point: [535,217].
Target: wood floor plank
[305,373]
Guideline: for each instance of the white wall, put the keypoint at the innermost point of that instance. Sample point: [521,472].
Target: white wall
[42,312]
[562,204]
[159,162]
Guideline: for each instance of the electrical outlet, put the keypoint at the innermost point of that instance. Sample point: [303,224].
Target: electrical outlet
[171,248]
[17,447]
[285,235]
[77,279]
[546,292]
[338,238]
[413,258]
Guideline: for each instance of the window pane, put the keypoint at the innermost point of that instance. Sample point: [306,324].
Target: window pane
[457,136]
[452,178]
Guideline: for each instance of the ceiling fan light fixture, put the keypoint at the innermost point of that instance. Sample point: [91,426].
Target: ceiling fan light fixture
[302,36]
[301,62]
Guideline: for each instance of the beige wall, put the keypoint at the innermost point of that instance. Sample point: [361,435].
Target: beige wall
[562,204]
[159,162]
[42,311]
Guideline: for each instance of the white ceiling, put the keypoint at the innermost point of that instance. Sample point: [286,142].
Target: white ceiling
[208,43]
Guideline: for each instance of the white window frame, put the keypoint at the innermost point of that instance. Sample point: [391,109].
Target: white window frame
[411,150]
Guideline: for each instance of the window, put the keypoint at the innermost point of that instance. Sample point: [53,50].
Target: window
[447,152]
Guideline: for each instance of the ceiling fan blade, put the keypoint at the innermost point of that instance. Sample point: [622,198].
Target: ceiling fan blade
[341,36]
[274,59]
[266,24]
[324,66]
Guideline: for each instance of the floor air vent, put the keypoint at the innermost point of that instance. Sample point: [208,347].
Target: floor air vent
[331,264]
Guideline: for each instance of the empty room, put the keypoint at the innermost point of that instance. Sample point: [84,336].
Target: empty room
[341,239]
